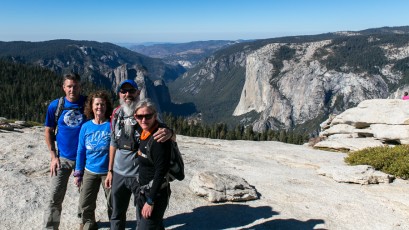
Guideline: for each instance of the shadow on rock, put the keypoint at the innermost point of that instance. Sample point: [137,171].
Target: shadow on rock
[287,224]
[130,224]
[219,217]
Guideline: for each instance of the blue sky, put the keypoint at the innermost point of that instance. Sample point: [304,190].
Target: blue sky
[134,21]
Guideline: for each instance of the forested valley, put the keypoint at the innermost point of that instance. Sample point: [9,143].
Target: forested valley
[26,91]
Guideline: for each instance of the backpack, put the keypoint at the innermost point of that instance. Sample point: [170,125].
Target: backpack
[177,167]
[128,142]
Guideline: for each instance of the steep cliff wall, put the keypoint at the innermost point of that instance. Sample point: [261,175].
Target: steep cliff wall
[304,88]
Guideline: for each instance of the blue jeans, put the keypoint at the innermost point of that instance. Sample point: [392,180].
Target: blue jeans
[58,188]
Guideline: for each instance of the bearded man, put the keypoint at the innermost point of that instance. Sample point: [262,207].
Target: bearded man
[123,163]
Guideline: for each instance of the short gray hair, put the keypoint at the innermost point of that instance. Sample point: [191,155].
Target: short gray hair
[146,103]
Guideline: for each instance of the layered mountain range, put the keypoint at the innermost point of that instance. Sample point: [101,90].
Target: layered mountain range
[280,83]
[296,82]
[185,54]
[104,64]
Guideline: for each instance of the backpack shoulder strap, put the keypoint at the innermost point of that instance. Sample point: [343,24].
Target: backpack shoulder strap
[148,149]
[114,118]
[58,111]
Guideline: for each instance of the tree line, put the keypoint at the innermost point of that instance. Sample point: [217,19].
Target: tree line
[26,91]
[183,126]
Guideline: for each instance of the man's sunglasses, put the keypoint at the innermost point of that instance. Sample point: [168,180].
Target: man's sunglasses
[124,91]
[146,116]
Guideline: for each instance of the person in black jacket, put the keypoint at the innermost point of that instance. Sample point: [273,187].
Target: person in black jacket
[154,161]
[123,168]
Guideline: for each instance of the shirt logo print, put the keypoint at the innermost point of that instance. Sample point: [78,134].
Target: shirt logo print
[73,118]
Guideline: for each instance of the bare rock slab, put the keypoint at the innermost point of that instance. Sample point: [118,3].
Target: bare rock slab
[359,174]
[218,187]
[351,144]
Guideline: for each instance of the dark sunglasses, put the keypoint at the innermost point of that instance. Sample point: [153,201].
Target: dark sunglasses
[146,116]
[124,91]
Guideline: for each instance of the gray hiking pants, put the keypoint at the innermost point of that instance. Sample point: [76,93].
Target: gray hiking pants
[58,189]
[88,197]
[121,190]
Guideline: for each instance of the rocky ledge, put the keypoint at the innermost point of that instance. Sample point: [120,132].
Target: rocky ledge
[375,122]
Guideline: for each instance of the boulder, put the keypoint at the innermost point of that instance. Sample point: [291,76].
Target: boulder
[338,129]
[218,187]
[375,111]
[336,136]
[359,174]
[4,125]
[21,123]
[372,123]
[398,133]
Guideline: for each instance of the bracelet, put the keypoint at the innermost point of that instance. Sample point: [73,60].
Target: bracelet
[110,170]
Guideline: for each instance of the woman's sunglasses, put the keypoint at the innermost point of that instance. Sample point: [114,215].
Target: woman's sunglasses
[146,116]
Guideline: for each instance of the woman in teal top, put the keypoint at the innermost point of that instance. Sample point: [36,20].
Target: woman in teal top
[93,156]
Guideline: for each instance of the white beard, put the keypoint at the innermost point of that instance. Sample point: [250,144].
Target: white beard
[129,110]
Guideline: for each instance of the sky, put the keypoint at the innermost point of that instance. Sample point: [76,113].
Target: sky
[136,21]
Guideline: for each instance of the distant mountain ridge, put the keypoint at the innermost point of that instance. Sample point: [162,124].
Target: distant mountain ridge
[88,57]
[279,83]
[104,64]
[296,82]
[185,54]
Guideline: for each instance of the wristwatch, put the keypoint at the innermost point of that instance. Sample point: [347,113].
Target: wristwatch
[149,201]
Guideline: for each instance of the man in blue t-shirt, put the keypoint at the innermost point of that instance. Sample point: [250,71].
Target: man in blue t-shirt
[63,157]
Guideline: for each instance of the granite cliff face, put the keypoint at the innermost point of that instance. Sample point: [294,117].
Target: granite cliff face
[297,82]
[155,90]
[304,90]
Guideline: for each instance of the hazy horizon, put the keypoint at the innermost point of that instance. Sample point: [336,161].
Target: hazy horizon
[180,21]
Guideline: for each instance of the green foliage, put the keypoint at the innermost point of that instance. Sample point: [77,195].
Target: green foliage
[26,91]
[283,53]
[391,160]
[221,131]
[358,53]
[402,66]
